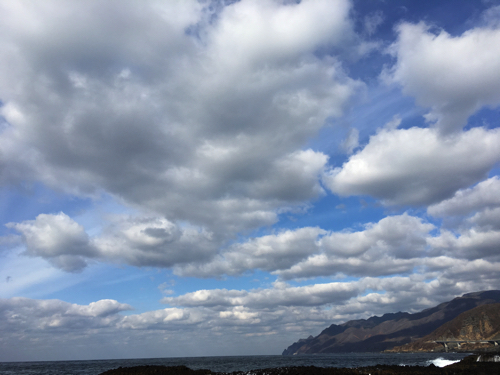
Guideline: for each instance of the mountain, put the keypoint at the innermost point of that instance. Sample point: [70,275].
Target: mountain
[390,330]
[478,324]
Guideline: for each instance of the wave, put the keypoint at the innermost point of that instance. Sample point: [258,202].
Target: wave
[441,362]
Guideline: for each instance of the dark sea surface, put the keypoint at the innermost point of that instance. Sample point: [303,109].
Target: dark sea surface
[230,364]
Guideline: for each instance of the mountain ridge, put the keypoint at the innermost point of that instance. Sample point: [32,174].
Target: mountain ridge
[390,330]
[481,323]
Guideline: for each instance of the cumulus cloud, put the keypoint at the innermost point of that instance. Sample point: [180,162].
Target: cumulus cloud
[468,244]
[394,245]
[486,220]
[453,76]
[280,295]
[475,237]
[152,241]
[475,215]
[196,116]
[138,241]
[384,248]
[416,166]
[343,300]
[258,308]
[58,239]
[24,314]
[466,201]
[166,319]
[268,253]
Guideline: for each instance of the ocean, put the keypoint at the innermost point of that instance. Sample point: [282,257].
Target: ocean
[230,364]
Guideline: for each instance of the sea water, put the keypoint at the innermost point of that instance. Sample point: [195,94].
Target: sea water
[235,363]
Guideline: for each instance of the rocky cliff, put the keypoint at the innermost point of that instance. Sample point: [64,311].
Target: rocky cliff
[470,330]
[391,330]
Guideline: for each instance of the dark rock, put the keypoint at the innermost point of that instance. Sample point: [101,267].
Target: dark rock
[469,365]
[157,370]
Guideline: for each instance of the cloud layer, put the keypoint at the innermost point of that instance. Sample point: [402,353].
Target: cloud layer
[195,119]
[281,313]
[213,126]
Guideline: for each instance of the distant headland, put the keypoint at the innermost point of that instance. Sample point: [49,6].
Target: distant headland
[467,323]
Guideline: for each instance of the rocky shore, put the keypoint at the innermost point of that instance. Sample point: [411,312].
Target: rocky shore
[479,364]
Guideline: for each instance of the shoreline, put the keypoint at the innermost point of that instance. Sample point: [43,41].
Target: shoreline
[480,363]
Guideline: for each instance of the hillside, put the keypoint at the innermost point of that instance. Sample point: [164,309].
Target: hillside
[480,323]
[383,333]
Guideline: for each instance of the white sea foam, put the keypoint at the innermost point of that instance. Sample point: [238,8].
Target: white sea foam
[441,362]
[495,358]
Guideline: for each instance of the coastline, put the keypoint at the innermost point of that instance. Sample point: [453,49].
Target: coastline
[480,363]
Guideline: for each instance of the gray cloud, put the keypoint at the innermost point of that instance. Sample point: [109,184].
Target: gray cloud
[486,220]
[394,245]
[469,243]
[138,241]
[173,122]
[269,253]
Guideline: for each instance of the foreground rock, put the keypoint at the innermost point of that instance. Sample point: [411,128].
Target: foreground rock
[475,364]
[159,370]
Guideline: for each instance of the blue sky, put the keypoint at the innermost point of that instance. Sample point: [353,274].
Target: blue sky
[190,178]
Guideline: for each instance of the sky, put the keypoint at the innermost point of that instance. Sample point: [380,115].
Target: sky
[199,178]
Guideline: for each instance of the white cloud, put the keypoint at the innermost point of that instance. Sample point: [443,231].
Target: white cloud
[394,245]
[466,201]
[453,76]
[268,31]
[23,315]
[57,238]
[160,319]
[416,166]
[474,214]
